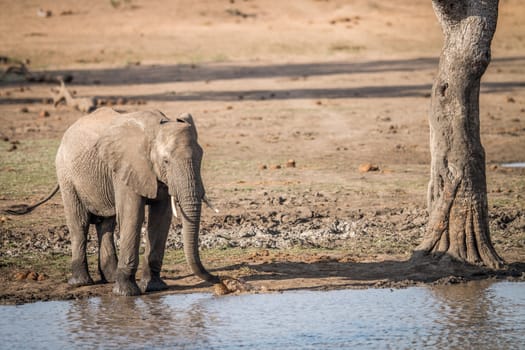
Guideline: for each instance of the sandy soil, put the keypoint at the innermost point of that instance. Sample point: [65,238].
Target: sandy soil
[326,84]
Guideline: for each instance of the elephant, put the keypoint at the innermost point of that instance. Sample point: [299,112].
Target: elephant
[111,166]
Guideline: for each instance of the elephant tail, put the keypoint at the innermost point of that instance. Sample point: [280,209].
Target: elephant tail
[21,209]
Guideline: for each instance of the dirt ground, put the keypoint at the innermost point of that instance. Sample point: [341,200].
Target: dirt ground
[290,100]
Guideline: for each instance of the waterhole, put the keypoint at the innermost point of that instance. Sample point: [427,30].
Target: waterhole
[514,165]
[476,315]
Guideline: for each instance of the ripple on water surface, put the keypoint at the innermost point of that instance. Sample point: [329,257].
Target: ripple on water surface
[474,315]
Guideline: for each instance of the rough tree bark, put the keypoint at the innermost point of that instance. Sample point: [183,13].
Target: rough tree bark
[457,193]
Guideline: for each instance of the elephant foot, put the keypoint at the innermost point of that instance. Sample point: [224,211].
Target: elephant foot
[152,284]
[79,274]
[126,286]
[77,281]
[108,275]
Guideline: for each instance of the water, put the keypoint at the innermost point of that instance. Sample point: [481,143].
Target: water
[514,165]
[477,315]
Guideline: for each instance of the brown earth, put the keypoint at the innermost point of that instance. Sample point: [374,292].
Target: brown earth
[313,118]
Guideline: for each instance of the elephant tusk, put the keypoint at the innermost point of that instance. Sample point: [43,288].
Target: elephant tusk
[173,207]
[207,201]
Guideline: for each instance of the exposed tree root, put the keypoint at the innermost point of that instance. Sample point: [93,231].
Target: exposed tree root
[21,69]
[83,104]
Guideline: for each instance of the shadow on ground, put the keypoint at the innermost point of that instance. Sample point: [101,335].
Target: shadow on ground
[387,273]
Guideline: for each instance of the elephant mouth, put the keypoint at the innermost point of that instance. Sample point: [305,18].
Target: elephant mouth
[205,199]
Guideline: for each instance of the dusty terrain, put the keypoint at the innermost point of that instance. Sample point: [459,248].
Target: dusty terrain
[290,99]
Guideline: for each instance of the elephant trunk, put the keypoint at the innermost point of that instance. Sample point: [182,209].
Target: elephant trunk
[190,213]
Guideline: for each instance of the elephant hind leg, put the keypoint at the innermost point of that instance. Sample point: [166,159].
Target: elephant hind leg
[77,218]
[107,255]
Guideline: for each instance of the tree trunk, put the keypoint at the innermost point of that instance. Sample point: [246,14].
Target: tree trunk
[457,193]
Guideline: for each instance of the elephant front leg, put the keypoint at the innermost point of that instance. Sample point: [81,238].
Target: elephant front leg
[131,217]
[159,219]
[107,256]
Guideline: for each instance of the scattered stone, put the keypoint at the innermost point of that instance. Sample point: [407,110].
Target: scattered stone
[275,166]
[43,114]
[220,289]
[263,167]
[24,110]
[238,13]
[368,167]
[122,101]
[229,107]
[290,163]
[44,13]
[511,99]
[32,276]
[20,276]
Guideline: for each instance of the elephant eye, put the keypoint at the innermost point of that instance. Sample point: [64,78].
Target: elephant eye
[166,161]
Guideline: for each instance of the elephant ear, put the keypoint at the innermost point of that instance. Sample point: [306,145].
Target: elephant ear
[125,150]
[188,119]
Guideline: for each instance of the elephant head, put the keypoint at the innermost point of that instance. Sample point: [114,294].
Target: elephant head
[147,150]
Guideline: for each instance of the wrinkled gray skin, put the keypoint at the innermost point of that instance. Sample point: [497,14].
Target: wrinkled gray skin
[110,168]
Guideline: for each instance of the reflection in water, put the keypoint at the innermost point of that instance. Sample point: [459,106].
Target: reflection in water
[130,322]
[474,315]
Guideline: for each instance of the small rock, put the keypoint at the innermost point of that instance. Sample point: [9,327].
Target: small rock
[511,99]
[220,289]
[19,276]
[290,163]
[263,167]
[24,110]
[32,276]
[43,114]
[44,13]
[42,277]
[121,101]
[275,167]
[367,167]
